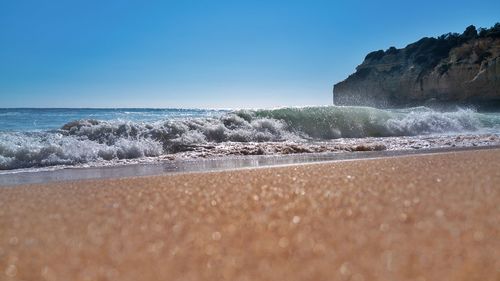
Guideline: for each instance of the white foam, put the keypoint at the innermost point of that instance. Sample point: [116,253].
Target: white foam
[85,141]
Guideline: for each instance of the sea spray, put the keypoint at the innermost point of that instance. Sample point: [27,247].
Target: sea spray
[91,140]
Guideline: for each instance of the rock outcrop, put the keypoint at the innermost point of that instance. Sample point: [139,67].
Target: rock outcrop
[451,69]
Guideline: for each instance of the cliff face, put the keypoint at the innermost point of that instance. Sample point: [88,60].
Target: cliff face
[453,68]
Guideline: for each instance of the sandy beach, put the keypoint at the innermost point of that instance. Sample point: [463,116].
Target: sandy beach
[419,217]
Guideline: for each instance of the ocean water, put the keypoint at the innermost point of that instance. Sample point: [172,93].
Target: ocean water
[36,138]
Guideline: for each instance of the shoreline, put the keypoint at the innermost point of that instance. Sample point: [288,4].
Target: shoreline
[227,163]
[115,138]
[417,217]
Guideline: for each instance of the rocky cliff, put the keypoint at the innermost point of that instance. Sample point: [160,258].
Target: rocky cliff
[453,68]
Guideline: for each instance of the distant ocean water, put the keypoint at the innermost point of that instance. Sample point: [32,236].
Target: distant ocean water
[34,138]
[39,119]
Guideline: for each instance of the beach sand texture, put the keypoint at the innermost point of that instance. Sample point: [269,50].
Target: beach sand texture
[424,217]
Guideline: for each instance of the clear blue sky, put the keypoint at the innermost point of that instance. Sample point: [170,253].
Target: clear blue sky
[224,54]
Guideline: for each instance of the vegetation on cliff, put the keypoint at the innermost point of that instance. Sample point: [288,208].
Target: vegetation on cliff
[429,51]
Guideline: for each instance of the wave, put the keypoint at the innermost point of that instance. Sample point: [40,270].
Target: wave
[84,141]
[359,122]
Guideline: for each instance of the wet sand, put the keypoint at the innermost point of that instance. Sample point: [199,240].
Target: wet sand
[423,217]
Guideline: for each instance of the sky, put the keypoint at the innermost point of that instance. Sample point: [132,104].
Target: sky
[205,54]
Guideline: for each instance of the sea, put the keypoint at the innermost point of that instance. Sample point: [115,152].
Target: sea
[51,138]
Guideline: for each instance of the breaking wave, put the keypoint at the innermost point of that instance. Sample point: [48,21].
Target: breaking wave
[84,141]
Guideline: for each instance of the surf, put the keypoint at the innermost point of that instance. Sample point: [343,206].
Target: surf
[90,140]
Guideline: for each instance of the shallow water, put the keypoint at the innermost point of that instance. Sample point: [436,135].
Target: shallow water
[31,176]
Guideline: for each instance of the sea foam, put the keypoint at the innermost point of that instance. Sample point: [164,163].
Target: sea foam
[84,141]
